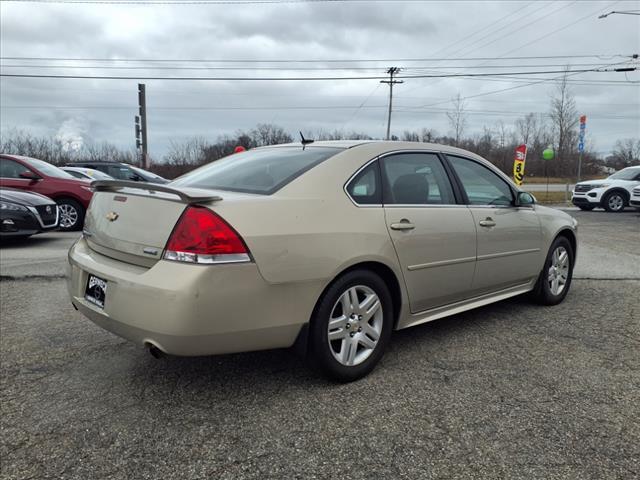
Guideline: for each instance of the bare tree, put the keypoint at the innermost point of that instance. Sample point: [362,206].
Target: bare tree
[526,128]
[564,119]
[626,153]
[268,134]
[457,118]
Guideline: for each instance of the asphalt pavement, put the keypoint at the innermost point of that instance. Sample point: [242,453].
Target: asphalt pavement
[511,390]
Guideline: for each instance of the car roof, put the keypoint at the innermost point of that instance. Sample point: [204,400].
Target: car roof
[93,162]
[384,146]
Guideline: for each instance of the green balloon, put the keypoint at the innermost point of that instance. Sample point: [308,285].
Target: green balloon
[548,154]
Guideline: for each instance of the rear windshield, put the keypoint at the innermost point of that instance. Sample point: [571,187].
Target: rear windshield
[48,169]
[262,171]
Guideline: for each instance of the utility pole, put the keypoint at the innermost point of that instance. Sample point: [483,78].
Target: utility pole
[392,71]
[142,104]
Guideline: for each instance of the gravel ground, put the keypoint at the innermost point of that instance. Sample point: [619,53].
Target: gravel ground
[511,390]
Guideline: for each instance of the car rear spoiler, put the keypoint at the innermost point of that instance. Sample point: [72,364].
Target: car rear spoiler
[194,196]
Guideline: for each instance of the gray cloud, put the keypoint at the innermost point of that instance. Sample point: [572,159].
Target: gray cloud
[309,31]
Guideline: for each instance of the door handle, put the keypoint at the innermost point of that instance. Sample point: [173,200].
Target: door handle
[487,222]
[402,225]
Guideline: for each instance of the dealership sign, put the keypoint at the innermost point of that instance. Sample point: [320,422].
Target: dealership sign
[583,127]
[518,164]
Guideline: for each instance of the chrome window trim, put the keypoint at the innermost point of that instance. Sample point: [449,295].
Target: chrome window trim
[395,205]
[37,215]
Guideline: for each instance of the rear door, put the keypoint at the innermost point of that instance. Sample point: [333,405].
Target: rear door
[434,236]
[509,237]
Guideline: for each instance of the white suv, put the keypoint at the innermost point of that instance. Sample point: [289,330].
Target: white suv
[635,198]
[612,193]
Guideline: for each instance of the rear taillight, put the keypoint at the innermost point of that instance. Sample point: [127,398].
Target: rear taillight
[201,236]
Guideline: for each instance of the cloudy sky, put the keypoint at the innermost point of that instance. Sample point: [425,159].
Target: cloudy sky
[325,39]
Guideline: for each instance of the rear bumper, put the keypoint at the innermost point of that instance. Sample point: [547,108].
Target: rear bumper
[190,309]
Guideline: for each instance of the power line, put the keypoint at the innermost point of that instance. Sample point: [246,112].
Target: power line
[202,2]
[416,68]
[399,108]
[318,60]
[275,79]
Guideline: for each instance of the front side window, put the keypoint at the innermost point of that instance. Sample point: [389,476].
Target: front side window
[416,179]
[261,171]
[121,172]
[483,187]
[11,169]
[366,188]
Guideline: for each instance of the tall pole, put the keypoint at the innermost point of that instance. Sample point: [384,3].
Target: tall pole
[142,104]
[392,71]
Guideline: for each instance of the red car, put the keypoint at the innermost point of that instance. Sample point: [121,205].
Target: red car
[71,194]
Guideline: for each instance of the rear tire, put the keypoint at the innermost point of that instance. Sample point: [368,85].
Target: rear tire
[586,208]
[555,279]
[614,202]
[351,326]
[71,214]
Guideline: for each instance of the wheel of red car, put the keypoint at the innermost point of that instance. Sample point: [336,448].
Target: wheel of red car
[71,214]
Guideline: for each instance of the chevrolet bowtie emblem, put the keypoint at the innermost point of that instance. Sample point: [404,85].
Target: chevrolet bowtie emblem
[112,216]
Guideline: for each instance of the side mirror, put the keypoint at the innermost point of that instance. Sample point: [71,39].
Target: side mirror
[29,175]
[525,199]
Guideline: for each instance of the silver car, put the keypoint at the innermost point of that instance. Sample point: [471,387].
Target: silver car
[328,247]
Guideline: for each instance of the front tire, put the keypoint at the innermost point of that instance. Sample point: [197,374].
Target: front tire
[351,326]
[71,214]
[614,202]
[555,279]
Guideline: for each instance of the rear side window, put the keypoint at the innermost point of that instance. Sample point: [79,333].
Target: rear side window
[366,188]
[257,171]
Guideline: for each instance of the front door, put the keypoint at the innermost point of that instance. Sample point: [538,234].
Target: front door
[434,237]
[10,171]
[509,237]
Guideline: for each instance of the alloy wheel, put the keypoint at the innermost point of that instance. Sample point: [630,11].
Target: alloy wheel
[68,216]
[558,273]
[355,325]
[615,202]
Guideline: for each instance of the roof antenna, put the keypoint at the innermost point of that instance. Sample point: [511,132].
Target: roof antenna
[305,141]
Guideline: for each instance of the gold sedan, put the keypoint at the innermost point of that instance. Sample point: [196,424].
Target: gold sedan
[328,247]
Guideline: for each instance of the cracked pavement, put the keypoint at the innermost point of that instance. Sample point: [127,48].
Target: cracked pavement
[511,390]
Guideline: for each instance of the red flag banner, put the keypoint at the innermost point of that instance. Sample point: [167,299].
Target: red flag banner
[518,164]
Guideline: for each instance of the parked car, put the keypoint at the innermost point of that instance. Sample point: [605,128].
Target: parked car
[122,171]
[328,247]
[87,173]
[612,193]
[23,214]
[635,198]
[71,194]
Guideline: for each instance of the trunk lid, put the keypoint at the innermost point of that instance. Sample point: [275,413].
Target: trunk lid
[132,221]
